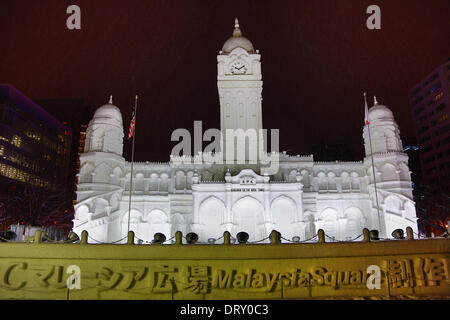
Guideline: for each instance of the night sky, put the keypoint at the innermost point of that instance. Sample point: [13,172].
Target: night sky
[317,59]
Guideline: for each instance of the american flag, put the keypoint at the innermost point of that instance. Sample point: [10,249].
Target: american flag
[133,121]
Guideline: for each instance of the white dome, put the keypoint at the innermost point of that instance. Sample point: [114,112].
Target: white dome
[108,113]
[237,41]
[380,112]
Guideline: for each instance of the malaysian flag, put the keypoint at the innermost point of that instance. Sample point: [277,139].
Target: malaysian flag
[133,121]
[366,116]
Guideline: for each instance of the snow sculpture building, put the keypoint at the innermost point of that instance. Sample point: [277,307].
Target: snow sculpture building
[206,198]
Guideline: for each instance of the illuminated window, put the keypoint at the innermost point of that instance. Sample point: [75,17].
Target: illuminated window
[443,118]
[2,150]
[440,95]
[17,141]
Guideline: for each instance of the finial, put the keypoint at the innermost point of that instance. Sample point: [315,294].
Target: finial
[364,93]
[110,99]
[375,100]
[237,31]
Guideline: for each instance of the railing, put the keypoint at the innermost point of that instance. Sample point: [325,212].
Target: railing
[275,237]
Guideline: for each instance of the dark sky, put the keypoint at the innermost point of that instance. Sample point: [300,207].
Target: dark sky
[317,59]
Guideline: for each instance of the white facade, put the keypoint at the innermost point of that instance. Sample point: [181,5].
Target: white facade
[208,199]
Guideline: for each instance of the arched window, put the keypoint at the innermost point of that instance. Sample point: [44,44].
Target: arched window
[97,139]
[284,212]
[158,222]
[354,222]
[410,211]
[116,176]
[345,181]
[102,172]
[391,140]
[164,182]
[180,180]
[322,180]
[85,175]
[292,176]
[404,172]
[82,213]
[178,224]
[189,180]
[355,181]
[310,227]
[139,182]
[331,181]
[135,217]
[154,182]
[305,180]
[211,213]
[248,217]
[100,206]
[388,172]
[393,204]
[378,141]
[330,223]
[370,174]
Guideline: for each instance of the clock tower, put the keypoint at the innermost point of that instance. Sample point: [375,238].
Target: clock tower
[239,82]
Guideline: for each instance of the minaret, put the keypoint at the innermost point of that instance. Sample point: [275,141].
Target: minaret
[102,167]
[393,180]
[105,130]
[239,82]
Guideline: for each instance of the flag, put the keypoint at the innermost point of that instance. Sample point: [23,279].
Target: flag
[366,116]
[133,121]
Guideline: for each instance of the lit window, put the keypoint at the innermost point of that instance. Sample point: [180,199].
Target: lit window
[443,118]
[440,95]
[17,141]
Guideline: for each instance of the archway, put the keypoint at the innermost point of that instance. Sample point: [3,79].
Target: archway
[211,215]
[284,212]
[354,223]
[248,216]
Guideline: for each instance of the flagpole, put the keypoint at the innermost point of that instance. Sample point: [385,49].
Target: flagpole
[373,166]
[132,162]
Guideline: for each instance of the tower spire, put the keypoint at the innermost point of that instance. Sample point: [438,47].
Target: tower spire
[110,100]
[375,102]
[237,31]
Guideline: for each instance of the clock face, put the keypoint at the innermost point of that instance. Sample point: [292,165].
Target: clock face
[238,67]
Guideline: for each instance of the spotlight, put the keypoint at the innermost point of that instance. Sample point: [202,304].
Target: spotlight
[158,238]
[44,237]
[8,236]
[278,236]
[296,239]
[211,240]
[398,234]
[191,238]
[374,235]
[242,237]
[72,238]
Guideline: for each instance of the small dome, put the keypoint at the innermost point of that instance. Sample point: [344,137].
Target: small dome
[237,40]
[380,112]
[109,113]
